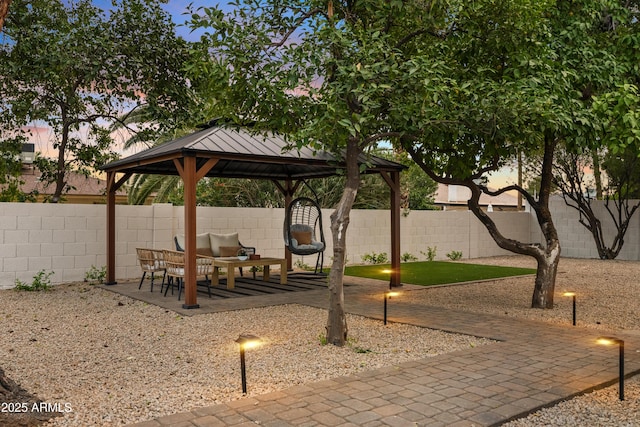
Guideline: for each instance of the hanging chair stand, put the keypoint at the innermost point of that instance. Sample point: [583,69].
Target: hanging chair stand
[303,232]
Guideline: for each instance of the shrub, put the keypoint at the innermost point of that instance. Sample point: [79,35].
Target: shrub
[41,282]
[407,257]
[431,253]
[454,255]
[374,258]
[95,275]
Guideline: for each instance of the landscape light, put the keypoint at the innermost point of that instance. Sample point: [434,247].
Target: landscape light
[246,341]
[611,341]
[572,294]
[388,295]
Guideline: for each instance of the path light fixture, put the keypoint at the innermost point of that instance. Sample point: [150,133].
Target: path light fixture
[246,341]
[572,294]
[388,295]
[611,341]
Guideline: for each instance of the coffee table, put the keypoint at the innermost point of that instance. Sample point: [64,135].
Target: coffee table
[230,263]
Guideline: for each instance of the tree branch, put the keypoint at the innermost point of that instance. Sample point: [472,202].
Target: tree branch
[299,21]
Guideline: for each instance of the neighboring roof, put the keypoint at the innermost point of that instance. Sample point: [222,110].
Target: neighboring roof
[241,155]
[453,195]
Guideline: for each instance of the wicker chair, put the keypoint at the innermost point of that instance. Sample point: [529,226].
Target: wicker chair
[174,262]
[151,261]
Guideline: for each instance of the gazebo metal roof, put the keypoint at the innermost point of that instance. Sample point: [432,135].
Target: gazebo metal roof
[242,154]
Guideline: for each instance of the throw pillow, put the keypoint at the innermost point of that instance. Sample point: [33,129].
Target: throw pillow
[229,250]
[204,251]
[303,237]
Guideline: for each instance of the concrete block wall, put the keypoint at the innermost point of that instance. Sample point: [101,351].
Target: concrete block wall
[70,239]
[65,239]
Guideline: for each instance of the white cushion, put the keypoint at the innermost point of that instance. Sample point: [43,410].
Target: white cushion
[217,240]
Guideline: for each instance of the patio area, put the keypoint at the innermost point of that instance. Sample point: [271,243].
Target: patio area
[248,292]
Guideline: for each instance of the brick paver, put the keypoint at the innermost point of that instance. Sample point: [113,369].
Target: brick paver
[534,365]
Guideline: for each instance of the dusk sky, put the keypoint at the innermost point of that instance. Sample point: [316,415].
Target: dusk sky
[177,9]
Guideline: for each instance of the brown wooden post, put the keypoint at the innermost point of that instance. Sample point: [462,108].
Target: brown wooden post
[190,176]
[189,180]
[112,187]
[111,230]
[393,180]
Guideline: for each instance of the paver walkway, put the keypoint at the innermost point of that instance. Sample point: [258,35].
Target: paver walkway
[534,365]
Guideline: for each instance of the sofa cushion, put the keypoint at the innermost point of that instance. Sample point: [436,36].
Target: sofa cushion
[202,241]
[217,240]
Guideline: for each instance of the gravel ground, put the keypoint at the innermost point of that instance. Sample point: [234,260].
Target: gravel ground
[109,360]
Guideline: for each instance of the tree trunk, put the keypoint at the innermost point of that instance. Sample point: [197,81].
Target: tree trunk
[4,10]
[597,175]
[546,278]
[61,165]
[547,255]
[337,321]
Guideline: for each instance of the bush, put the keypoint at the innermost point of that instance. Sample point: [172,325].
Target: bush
[374,258]
[407,257]
[95,275]
[431,253]
[41,282]
[454,255]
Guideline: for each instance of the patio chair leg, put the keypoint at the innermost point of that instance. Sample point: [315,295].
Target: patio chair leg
[179,288]
[144,273]
[164,277]
[169,284]
[152,277]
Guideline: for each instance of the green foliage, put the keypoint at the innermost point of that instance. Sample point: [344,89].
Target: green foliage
[408,257]
[374,258]
[41,282]
[454,255]
[302,265]
[74,68]
[95,275]
[431,253]
[323,339]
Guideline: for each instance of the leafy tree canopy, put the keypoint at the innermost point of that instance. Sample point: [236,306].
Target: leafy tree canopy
[75,68]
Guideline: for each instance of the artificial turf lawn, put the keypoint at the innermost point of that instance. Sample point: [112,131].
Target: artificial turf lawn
[429,273]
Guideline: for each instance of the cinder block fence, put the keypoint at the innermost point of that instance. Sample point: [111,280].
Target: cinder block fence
[69,239]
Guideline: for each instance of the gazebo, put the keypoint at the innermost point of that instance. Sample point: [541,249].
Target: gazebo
[221,151]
